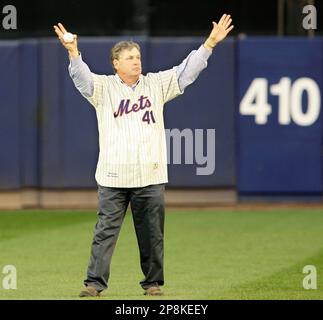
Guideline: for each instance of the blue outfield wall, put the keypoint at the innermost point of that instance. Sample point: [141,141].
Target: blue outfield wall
[19,126]
[29,113]
[256,107]
[280,121]
[10,135]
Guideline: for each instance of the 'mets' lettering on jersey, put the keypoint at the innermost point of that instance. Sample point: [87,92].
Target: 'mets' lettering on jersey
[125,108]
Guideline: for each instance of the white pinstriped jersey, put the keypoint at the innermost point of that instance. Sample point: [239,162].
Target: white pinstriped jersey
[132,140]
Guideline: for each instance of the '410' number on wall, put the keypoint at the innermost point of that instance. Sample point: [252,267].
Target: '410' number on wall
[290,108]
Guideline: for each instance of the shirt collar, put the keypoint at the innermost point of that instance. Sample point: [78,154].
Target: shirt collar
[133,86]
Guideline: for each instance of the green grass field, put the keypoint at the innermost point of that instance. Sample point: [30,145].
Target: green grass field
[219,254]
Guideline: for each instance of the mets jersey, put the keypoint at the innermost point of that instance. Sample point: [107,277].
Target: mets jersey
[131,129]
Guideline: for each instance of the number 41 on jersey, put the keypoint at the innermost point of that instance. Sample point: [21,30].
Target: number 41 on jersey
[148,116]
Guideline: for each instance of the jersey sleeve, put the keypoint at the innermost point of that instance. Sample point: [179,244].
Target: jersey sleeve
[99,83]
[169,84]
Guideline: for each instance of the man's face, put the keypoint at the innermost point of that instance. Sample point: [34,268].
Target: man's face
[129,63]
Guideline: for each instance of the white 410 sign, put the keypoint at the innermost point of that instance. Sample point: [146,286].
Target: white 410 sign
[255,101]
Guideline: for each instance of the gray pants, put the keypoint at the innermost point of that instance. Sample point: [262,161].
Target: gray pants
[147,206]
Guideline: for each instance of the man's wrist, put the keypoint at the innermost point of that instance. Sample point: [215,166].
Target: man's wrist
[210,45]
[74,53]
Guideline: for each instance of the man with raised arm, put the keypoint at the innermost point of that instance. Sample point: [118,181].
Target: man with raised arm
[132,164]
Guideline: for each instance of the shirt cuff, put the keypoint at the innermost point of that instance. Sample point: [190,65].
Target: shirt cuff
[203,52]
[76,61]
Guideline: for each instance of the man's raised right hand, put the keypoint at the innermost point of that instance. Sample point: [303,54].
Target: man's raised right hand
[70,46]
